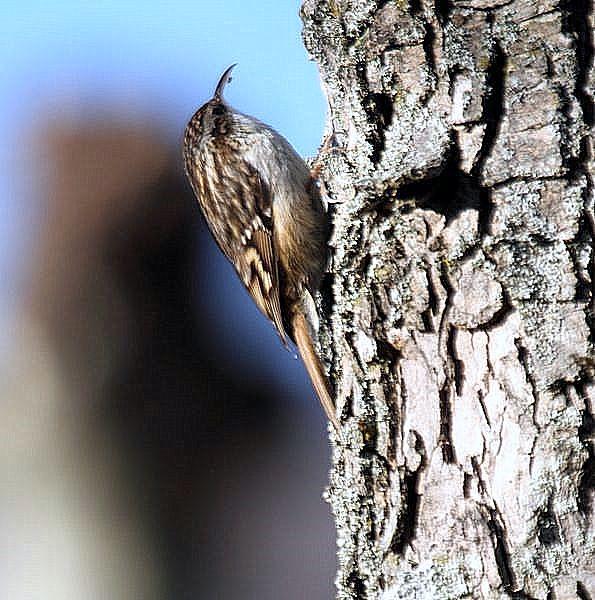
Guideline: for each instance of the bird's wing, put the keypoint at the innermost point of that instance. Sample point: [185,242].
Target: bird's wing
[239,215]
[257,267]
[256,257]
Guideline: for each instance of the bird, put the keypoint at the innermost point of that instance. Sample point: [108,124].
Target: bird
[264,210]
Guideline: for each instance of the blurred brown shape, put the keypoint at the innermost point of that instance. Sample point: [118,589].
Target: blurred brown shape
[166,467]
[96,179]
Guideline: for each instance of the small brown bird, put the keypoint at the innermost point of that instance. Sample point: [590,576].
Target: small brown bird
[264,210]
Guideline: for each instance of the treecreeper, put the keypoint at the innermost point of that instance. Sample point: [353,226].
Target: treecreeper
[264,210]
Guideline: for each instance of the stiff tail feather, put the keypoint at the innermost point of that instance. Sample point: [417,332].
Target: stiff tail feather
[303,340]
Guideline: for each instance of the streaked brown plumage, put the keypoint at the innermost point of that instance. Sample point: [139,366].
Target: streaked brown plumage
[264,211]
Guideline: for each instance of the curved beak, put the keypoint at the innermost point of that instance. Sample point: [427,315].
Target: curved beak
[225,78]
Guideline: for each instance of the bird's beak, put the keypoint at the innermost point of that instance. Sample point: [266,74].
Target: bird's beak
[225,78]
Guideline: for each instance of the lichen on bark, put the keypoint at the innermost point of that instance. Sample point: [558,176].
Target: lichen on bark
[458,307]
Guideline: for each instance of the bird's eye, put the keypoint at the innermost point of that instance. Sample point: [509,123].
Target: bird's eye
[218,110]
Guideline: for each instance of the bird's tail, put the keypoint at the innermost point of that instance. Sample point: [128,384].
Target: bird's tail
[302,333]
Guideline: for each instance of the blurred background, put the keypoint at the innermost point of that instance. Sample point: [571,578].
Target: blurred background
[156,441]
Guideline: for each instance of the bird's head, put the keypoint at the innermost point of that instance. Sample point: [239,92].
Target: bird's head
[210,118]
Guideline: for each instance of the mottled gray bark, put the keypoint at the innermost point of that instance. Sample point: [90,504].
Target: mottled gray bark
[458,308]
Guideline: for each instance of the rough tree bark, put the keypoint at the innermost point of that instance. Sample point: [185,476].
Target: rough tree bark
[458,315]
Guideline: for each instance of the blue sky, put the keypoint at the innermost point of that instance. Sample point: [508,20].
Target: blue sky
[159,58]
[171,50]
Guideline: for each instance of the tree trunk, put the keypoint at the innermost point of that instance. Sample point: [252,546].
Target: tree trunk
[457,312]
